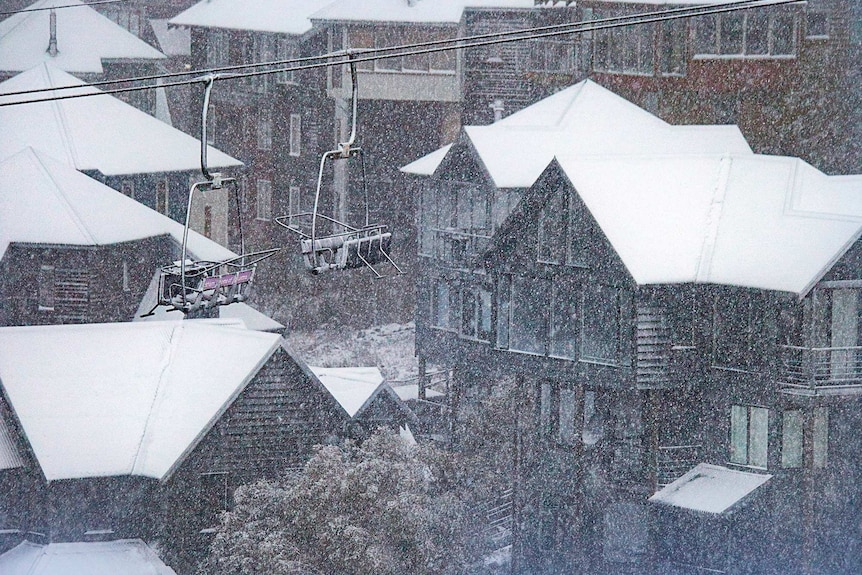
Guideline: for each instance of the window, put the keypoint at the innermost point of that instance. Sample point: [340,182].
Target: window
[218,48]
[528,327]
[749,435]
[600,335]
[443,305]
[46,288]
[264,130]
[817,25]
[293,204]
[753,34]
[627,50]
[791,439]
[674,34]
[208,221]
[565,297]
[295,134]
[476,313]
[504,310]
[263,50]
[551,56]
[126,281]
[820,438]
[162,197]
[264,199]
[216,496]
[560,413]
[362,37]
[286,50]
[127,187]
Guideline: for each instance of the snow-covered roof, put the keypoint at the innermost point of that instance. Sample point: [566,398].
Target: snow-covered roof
[710,489]
[172,41]
[126,556]
[102,400]
[586,120]
[402,11]
[252,318]
[279,16]
[44,201]
[411,392]
[236,314]
[98,132]
[756,221]
[9,456]
[84,39]
[352,387]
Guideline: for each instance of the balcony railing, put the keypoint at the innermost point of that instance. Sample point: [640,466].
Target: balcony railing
[673,461]
[821,370]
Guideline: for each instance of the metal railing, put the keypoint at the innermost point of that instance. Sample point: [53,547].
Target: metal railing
[673,461]
[819,368]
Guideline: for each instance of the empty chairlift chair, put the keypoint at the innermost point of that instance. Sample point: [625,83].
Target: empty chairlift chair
[347,246]
[191,285]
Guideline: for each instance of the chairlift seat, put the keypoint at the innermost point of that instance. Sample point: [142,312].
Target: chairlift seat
[349,250]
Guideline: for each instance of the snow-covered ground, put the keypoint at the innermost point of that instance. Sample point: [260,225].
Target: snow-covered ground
[388,347]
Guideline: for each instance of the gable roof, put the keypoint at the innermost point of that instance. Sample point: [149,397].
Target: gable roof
[126,556]
[84,39]
[401,11]
[99,133]
[756,221]
[279,16]
[353,387]
[584,119]
[124,399]
[43,201]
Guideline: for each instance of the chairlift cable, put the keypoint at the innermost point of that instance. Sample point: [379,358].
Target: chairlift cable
[369,55]
[690,11]
[59,7]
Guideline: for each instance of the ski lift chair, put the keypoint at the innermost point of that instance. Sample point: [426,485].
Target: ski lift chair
[347,247]
[188,285]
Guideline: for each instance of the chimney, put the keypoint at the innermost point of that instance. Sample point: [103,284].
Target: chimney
[498,108]
[52,42]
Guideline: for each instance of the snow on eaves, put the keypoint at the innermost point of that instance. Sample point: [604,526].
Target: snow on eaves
[278,16]
[352,387]
[103,400]
[402,11]
[586,120]
[747,220]
[100,133]
[85,39]
[126,556]
[44,201]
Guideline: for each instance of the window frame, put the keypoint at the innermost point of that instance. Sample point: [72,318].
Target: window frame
[701,50]
[584,356]
[263,199]
[295,138]
[46,282]
[754,436]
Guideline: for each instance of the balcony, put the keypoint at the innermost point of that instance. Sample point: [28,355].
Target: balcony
[820,370]
[674,461]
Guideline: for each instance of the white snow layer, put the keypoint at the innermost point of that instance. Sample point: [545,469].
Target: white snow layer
[422,11]
[103,400]
[732,219]
[710,488]
[352,387]
[125,556]
[172,41]
[280,16]
[584,120]
[98,132]
[84,39]
[43,201]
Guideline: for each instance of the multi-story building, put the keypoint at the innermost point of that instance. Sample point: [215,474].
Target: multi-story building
[663,311]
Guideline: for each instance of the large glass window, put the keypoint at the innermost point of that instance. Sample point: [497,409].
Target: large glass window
[552,229]
[444,305]
[627,50]
[673,47]
[295,146]
[820,437]
[754,33]
[565,298]
[362,37]
[791,439]
[264,199]
[504,310]
[286,50]
[218,48]
[749,435]
[476,313]
[46,288]
[530,298]
[600,336]
[560,413]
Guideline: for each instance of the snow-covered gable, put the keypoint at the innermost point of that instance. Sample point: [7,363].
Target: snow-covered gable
[126,556]
[172,41]
[104,400]
[352,387]
[100,133]
[710,489]
[43,201]
[402,11]
[747,220]
[582,120]
[279,16]
[85,39]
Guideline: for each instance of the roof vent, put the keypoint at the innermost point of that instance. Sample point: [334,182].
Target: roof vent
[52,42]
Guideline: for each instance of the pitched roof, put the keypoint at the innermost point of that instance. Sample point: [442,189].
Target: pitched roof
[279,16]
[84,39]
[401,11]
[584,119]
[124,399]
[126,556]
[43,201]
[98,132]
[747,220]
[352,387]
